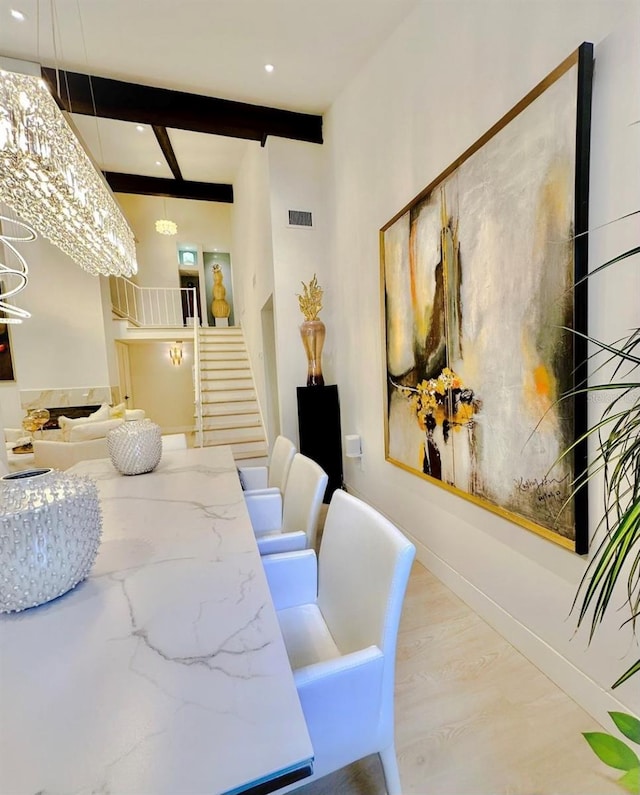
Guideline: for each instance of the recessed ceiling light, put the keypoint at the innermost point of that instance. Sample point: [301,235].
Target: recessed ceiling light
[269,67]
[139,128]
[18,15]
[158,163]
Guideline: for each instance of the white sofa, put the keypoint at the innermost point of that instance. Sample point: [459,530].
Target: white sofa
[62,455]
[78,439]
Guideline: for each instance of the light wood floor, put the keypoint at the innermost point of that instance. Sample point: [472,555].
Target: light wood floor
[473,716]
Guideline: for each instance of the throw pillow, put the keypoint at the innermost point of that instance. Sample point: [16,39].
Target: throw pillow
[102,413]
[117,412]
[67,423]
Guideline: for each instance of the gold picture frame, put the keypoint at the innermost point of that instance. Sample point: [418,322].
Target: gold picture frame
[482,292]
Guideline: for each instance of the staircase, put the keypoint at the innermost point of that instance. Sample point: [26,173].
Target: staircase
[230,411]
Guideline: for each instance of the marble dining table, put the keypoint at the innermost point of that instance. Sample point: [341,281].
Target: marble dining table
[164,672]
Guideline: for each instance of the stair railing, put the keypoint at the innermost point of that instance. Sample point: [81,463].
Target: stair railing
[153,306]
[253,379]
[197,382]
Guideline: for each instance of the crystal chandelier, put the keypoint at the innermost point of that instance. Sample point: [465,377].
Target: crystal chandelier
[166,227]
[48,179]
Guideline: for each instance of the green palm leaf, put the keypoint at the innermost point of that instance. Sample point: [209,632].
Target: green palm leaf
[610,262]
[611,751]
[602,573]
[635,668]
[631,780]
[618,461]
[627,724]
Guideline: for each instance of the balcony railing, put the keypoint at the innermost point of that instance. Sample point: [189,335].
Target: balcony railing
[154,306]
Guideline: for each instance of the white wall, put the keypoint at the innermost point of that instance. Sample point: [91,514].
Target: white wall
[62,345]
[298,181]
[443,78]
[252,255]
[200,223]
[162,389]
[269,257]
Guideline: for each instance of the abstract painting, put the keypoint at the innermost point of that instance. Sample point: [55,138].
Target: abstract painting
[483,293]
[6,363]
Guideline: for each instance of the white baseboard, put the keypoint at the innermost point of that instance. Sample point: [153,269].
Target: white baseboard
[582,689]
[593,698]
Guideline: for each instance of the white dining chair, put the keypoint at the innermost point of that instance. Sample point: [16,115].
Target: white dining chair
[288,521]
[275,475]
[339,617]
[174,441]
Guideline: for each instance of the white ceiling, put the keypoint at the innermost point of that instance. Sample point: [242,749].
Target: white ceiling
[212,47]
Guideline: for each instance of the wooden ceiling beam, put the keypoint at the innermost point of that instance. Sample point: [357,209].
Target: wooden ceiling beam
[171,188]
[116,99]
[162,136]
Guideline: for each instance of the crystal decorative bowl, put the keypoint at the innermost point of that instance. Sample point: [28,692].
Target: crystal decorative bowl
[50,526]
[135,447]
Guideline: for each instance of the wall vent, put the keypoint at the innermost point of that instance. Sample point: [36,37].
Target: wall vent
[301,219]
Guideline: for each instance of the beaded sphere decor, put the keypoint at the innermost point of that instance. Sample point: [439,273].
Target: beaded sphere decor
[135,447]
[50,525]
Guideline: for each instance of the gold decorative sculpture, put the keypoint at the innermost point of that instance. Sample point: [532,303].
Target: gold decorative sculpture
[312,331]
[219,306]
[35,420]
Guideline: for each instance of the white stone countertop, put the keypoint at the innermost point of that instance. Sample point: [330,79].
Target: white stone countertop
[165,671]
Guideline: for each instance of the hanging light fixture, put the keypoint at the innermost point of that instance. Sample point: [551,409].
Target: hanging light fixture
[13,279]
[164,226]
[49,180]
[175,352]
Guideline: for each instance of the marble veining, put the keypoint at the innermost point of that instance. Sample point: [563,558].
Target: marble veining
[165,671]
[59,398]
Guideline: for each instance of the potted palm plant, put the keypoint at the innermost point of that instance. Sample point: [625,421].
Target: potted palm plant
[617,432]
[616,558]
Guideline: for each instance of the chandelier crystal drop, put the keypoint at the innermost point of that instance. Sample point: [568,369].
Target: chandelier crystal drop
[49,180]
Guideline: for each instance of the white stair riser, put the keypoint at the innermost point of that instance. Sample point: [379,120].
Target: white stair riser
[229,351]
[223,371]
[216,365]
[235,378]
[234,436]
[231,421]
[221,342]
[217,384]
[249,450]
[229,408]
[223,354]
[225,395]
